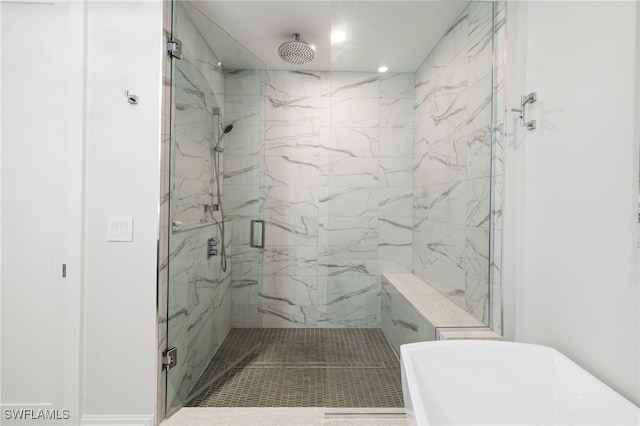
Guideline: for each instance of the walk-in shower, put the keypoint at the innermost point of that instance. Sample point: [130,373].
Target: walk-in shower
[351,174]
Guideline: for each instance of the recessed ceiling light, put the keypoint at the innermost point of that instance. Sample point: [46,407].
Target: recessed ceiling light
[219,64]
[383,69]
[338,37]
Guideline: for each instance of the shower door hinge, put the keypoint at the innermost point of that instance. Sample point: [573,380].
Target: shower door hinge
[169,358]
[174,48]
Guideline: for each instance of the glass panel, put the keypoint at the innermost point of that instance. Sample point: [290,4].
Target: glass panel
[408,180]
[210,259]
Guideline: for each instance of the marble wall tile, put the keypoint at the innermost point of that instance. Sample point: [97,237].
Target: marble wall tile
[355,112]
[396,113]
[295,167]
[395,201]
[349,172]
[478,202]
[393,258]
[348,291]
[398,86]
[290,201]
[355,142]
[353,316]
[297,84]
[477,253]
[338,231]
[354,85]
[242,82]
[395,172]
[291,230]
[290,260]
[442,202]
[283,316]
[290,290]
[452,43]
[480,50]
[243,110]
[287,140]
[397,143]
[353,202]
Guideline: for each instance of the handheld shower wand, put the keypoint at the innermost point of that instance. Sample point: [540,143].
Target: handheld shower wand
[217,150]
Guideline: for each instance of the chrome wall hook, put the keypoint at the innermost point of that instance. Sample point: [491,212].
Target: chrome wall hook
[527,99]
[131,98]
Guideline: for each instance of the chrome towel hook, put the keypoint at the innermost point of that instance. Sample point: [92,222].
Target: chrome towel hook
[528,99]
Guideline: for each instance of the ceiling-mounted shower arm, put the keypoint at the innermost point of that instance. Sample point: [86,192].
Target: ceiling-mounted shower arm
[524,100]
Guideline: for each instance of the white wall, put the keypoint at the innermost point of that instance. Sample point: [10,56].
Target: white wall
[41,134]
[124,48]
[571,256]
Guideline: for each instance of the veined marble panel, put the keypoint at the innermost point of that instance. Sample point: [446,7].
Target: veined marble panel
[244,290]
[290,201]
[293,140]
[353,316]
[290,260]
[243,82]
[480,49]
[444,161]
[478,203]
[453,43]
[299,84]
[348,231]
[290,290]
[246,316]
[352,172]
[349,202]
[241,169]
[479,104]
[395,231]
[355,112]
[443,202]
[199,304]
[401,323]
[395,173]
[355,142]
[398,86]
[291,230]
[397,143]
[277,316]
[355,85]
[352,261]
[394,258]
[477,252]
[245,261]
[476,297]
[395,202]
[446,242]
[244,140]
[303,170]
[353,291]
[241,200]
[396,113]
[244,110]
[293,111]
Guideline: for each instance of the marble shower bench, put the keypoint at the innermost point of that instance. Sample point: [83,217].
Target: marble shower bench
[413,311]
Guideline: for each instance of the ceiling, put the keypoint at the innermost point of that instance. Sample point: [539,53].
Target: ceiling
[397,34]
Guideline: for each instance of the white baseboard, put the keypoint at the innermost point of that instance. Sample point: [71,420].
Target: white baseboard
[106,420]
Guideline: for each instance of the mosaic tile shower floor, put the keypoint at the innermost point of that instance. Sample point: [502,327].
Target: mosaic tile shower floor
[294,367]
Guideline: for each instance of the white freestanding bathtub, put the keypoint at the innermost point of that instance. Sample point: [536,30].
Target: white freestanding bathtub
[475,382]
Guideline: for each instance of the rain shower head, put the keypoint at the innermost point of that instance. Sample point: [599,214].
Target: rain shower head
[296,51]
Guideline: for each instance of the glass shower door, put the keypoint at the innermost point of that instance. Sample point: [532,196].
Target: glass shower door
[210,297]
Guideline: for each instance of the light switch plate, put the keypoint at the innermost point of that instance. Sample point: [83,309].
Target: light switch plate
[120,228]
